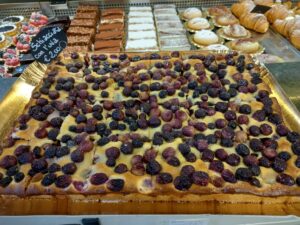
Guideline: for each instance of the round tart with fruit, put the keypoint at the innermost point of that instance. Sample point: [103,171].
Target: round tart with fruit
[38,20]
[30,29]
[11,58]
[22,42]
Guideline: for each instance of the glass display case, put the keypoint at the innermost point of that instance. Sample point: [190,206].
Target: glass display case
[148,42]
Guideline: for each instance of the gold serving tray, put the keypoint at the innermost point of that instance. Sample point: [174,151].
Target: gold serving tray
[18,97]
[7,42]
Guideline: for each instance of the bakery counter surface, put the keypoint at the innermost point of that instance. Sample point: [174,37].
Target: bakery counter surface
[277,45]
[5,85]
[97,204]
[287,75]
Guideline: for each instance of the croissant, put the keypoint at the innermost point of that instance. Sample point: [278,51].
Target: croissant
[288,4]
[296,26]
[295,38]
[284,26]
[289,28]
[243,7]
[255,21]
[278,12]
[264,2]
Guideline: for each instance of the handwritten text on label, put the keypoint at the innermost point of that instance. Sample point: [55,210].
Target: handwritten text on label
[47,45]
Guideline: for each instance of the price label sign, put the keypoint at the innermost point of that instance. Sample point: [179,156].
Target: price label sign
[261,9]
[48,43]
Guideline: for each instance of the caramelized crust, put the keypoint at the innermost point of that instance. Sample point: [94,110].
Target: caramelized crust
[144,126]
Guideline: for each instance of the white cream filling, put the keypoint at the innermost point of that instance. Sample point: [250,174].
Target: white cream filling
[141,35]
[141,44]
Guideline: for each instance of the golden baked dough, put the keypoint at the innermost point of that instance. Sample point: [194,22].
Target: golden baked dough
[225,20]
[198,24]
[235,30]
[247,45]
[218,10]
[191,13]
[147,125]
[240,8]
[278,12]
[295,38]
[255,21]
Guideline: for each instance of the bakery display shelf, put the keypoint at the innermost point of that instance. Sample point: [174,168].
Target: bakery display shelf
[274,43]
[17,98]
[247,204]
[290,83]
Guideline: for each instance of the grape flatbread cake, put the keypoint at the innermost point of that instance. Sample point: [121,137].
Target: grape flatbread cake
[152,124]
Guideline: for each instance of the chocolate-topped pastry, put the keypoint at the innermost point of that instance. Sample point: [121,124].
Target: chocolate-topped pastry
[90,15]
[151,123]
[79,40]
[88,9]
[111,31]
[83,23]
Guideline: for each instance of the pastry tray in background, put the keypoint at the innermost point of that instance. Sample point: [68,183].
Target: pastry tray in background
[274,43]
[17,98]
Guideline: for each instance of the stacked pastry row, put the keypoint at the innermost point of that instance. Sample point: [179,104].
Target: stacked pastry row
[198,24]
[83,27]
[141,30]
[111,31]
[171,34]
